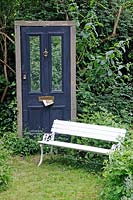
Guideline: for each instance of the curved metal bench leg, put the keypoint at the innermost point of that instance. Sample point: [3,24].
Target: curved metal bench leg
[51,152]
[51,149]
[41,158]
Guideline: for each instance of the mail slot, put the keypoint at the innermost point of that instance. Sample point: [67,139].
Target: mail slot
[47,100]
[41,98]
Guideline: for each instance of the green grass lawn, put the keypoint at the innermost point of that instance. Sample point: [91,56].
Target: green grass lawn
[53,180]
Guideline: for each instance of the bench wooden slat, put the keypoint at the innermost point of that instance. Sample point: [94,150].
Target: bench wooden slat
[88,126]
[90,131]
[83,134]
[77,146]
[87,130]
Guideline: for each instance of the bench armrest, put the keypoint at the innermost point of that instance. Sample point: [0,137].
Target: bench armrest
[116,146]
[48,137]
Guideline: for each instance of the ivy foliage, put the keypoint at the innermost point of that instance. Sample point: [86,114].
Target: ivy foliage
[5,169]
[23,146]
[118,174]
[103,51]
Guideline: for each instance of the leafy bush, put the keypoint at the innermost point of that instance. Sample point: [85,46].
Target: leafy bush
[102,117]
[21,146]
[5,169]
[118,174]
[104,63]
[8,116]
[107,84]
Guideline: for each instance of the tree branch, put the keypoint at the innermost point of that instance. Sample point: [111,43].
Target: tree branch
[4,94]
[2,33]
[7,66]
[5,58]
[117,20]
[115,25]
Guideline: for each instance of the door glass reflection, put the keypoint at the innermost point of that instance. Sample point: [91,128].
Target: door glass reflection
[35,63]
[56,51]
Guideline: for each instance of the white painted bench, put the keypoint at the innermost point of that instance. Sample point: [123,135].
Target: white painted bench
[98,132]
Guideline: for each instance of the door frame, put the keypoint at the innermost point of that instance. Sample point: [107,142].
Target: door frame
[18,25]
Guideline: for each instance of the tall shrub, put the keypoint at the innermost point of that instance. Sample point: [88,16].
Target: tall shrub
[104,60]
[5,169]
[118,174]
[21,146]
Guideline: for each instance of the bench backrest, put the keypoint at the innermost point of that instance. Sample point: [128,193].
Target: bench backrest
[88,130]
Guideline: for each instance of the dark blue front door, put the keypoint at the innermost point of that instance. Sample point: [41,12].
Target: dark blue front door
[46,93]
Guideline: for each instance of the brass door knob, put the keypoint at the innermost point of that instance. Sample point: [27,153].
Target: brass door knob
[45,53]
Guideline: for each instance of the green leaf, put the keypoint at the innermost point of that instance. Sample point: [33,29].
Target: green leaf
[120,67]
[110,72]
[120,73]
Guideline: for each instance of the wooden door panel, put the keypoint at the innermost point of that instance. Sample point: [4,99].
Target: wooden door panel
[46,75]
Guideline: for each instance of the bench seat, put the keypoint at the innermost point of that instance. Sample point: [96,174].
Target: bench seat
[77,129]
[77,146]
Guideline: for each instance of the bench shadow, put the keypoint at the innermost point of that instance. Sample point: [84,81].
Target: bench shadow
[72,162]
